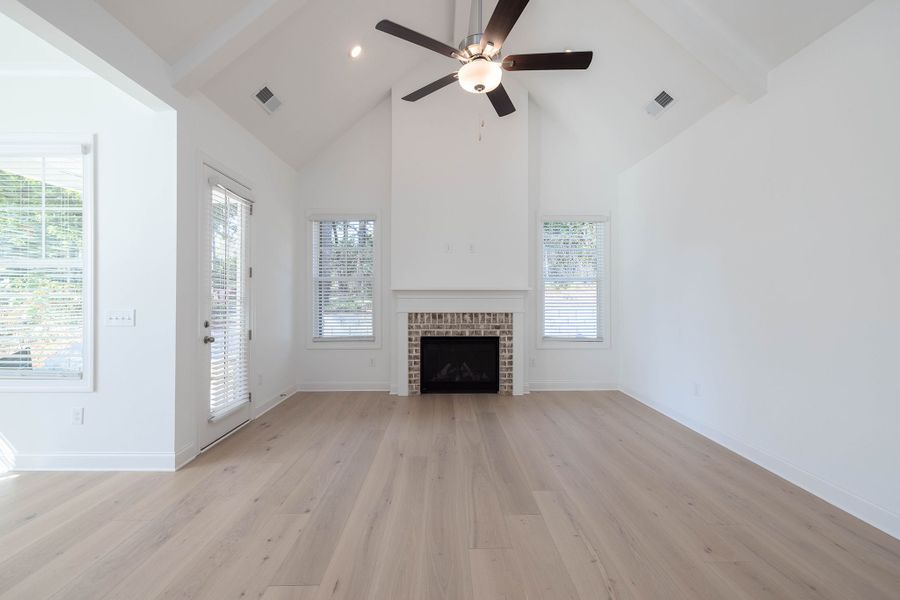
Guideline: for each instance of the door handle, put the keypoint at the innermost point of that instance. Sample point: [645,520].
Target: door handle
[208,339]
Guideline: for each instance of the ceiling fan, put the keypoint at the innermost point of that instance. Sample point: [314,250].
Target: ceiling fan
[482,63]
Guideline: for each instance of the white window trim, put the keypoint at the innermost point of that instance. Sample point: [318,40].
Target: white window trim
[313,343]
[605,296]
[49,142]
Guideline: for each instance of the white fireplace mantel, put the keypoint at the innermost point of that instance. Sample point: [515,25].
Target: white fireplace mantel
[459,301]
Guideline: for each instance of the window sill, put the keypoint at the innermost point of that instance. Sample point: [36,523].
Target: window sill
[343,344]
[37,386]
[563,344]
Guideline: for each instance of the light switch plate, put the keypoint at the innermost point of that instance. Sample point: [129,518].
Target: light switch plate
[120,318]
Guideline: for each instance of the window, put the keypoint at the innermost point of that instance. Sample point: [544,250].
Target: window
[44,259]
[343,279]
[574,288]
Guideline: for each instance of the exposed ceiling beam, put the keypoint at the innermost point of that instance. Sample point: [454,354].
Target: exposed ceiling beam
[237,35]
[93,38]
[711,43]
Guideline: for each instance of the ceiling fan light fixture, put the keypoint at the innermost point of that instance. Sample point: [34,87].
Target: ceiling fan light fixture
[480,76]
[480,52]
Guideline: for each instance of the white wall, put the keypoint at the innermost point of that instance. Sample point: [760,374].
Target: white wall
[459,204]
[760,264]
[127,422]
[568,177]
[85,31]
[351,176]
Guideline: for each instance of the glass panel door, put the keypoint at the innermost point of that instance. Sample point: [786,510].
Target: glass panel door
[227,321]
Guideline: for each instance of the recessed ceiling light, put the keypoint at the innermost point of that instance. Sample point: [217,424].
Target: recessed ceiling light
[568,50]
[355,51]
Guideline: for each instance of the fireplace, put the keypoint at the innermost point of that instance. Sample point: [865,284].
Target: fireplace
[456,364]
[497,326]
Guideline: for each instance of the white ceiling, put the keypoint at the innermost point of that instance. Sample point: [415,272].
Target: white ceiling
[633,62]
[304,60]
[173,27]
[778,29]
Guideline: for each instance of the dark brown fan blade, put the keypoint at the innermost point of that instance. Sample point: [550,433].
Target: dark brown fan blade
[404,33]
[431,87]
[501,101]
[505,16]
[550,61]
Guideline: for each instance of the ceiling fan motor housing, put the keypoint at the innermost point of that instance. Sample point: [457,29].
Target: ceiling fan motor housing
[470,40]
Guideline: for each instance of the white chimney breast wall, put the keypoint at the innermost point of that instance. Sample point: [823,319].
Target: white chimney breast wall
[459,202]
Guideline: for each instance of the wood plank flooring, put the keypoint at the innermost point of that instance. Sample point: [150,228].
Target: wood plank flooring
[354,496]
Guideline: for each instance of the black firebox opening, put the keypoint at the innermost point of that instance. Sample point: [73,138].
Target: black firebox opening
[459,365]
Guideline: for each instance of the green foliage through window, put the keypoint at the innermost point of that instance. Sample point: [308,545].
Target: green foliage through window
[573,263]
[344,278]
[41,266]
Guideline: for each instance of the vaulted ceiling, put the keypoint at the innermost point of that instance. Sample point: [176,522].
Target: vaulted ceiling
[701,51]
[24,54]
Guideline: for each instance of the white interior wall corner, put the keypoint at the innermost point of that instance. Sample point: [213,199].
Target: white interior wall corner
[759,280]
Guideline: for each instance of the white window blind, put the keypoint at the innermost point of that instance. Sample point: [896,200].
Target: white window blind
[42,264]
[343,279]
[229,320]
[574,265]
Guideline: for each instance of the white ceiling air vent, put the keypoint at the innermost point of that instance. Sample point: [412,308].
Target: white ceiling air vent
[658,105]
[268,100]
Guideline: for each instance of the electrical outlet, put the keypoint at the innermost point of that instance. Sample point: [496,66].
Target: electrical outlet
[78,415]
[532,362]
[697,389]
[120,318]
[259,379]
[371,362]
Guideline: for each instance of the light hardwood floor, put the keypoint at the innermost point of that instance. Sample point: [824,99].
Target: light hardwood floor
[360,495]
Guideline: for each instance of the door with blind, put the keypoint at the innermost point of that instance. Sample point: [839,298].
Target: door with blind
[226,308]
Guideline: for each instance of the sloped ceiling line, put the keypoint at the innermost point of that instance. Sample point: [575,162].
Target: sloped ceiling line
[710,42]
[237,35]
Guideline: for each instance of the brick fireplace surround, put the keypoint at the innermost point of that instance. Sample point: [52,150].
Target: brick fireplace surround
[459,312]
[461,324]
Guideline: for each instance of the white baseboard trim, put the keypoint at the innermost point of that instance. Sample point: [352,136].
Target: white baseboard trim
[261,409]
[187,453]
[127,461]
[568,385]
[344,386]
[90,461]
[876,516]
